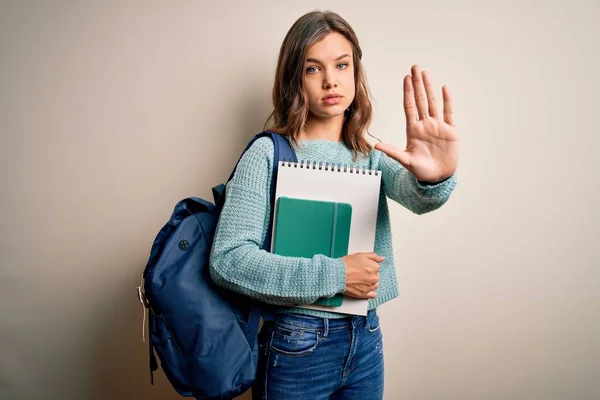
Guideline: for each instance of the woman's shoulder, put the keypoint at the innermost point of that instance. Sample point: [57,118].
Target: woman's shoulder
[257,161]
[262,150]
[263,146]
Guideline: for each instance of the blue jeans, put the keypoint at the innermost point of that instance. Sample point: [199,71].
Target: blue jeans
[310,358]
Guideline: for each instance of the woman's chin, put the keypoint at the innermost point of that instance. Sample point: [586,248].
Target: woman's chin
[330,112]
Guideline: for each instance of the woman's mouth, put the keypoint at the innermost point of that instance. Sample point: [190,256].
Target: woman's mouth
[332,99]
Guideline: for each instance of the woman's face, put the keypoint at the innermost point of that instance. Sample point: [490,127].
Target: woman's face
[329,76]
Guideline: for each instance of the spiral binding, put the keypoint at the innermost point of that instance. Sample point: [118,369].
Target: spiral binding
[326,166]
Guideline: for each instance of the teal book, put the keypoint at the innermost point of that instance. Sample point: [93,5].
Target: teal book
[305,228]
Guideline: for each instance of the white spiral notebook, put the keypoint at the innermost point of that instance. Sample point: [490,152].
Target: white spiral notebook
[356,186]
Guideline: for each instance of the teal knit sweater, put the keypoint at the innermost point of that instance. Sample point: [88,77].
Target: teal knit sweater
[238,263]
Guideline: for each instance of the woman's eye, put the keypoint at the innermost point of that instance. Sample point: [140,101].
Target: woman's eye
[312,70]
[342,65]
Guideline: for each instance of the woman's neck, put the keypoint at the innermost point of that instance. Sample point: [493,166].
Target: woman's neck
[323,128]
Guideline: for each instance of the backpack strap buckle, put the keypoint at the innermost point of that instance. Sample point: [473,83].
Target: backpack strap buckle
[142,298]
[146,306]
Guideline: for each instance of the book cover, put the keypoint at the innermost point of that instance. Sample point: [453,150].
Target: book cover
[305,228]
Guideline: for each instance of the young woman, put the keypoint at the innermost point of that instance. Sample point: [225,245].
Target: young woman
[321,104]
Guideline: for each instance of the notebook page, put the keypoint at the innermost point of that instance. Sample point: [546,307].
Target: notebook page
[359,187]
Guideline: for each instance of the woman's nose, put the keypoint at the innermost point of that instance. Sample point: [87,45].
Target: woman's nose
[329,80]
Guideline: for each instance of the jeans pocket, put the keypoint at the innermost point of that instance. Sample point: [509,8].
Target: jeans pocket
[373,323]
[294,341]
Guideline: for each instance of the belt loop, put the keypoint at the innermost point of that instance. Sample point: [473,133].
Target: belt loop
[325,327]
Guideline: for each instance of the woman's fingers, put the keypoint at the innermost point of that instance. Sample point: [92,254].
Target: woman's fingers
[410,108]
[419,92]
[448,112]
[431,102]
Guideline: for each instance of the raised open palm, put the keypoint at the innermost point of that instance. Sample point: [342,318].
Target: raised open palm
[431,152]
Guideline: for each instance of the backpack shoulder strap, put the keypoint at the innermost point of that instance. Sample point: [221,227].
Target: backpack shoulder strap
[283,151]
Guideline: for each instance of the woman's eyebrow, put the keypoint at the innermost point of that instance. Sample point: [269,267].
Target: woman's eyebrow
[316,60]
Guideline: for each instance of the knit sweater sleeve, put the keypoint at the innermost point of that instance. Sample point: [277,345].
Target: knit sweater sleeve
[237,261]
[401,186]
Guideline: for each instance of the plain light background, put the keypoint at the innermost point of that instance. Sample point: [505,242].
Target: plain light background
[111,112]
